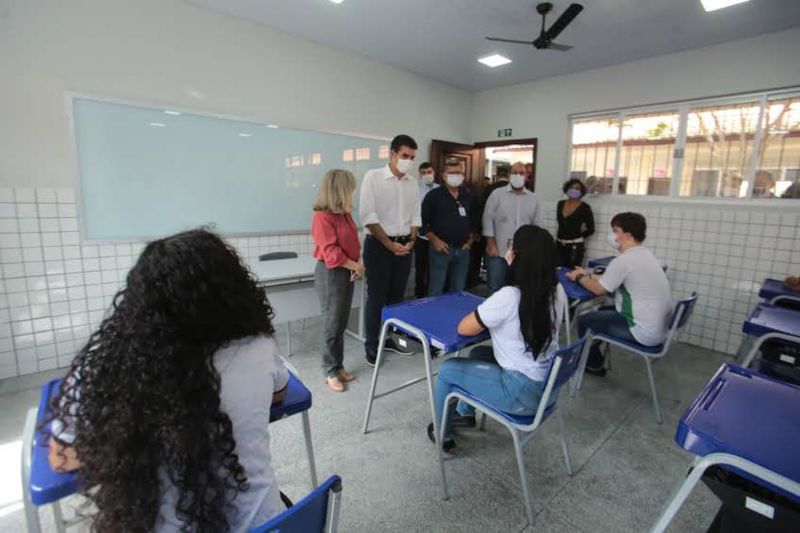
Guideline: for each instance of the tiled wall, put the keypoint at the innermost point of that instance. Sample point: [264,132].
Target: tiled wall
[55,288]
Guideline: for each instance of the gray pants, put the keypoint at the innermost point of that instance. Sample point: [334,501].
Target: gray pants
[335,293]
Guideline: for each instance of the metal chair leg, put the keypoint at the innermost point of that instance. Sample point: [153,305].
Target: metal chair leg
[309,450]
[439,453]
[564,441]
[523,475]
[31,511]
[378,362]
[656,408]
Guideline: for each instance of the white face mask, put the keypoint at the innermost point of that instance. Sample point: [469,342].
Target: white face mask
[404,165]
[517,181]
[612,240]
[455,180]
[509,256]
[427,178]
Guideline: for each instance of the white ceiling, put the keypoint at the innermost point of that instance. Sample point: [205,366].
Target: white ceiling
[442,39]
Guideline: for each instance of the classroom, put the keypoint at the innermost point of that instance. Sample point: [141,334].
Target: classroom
[493,266]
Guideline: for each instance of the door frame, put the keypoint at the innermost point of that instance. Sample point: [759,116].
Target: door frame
[505,142]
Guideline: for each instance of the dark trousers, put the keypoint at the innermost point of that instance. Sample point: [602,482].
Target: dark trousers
[571,255]
[387,275]
[475,258]
[605,320]
[421,247]
[335,293]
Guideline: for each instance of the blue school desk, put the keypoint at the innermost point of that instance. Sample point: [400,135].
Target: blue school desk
[773,291]
[576,295]
[600,262]
[770,322]
[434,322]
[747,422]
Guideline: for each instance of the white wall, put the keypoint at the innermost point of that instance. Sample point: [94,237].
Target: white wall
[540,109]
[169,52]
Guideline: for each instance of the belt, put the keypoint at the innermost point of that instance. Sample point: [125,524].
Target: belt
[579,240]
[402,239]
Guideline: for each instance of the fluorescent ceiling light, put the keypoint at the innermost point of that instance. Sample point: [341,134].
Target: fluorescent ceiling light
[494,60]
[273,126]
[169,112]
[713,5]
[336,1]
[245,135]
[158,124]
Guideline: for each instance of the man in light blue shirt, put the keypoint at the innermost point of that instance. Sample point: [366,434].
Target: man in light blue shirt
[427,183]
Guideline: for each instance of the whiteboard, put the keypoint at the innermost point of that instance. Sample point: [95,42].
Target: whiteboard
[148,172]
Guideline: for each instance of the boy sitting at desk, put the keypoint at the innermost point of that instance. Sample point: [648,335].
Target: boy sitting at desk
[643,300]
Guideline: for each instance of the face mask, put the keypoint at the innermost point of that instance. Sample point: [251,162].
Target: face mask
[612,240]
[517,181]
[427,178]
[404,165]
[455,180]
[509,256]
[573,193]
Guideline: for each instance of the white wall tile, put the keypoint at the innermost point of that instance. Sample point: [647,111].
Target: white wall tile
[44,196]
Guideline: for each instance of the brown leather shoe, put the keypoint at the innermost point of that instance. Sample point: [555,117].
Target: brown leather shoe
[345,376]
[334,383]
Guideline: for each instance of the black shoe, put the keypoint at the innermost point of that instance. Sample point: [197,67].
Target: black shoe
[370,357]
[448,445]
[391,346]
[460,421]
[599,372]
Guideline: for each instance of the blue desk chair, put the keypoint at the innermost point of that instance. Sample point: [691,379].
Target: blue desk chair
[680,316]
[42,486]
[318,512]
[563,366]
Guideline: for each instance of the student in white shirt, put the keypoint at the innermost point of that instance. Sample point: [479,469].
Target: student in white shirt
[523,320]
[165,411]
[427,183]
[389,208]
[643,300]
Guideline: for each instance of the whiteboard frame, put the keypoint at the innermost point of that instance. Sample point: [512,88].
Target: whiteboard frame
[71,96]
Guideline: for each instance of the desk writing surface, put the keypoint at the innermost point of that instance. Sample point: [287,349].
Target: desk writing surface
[573,289]
[277,270]
[767,318]
[438,318]
[775,287]
[600,261]
[747,414]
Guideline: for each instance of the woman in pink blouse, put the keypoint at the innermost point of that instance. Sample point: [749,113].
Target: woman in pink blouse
[337,249]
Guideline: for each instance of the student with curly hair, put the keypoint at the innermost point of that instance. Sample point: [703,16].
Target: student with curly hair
[164,412]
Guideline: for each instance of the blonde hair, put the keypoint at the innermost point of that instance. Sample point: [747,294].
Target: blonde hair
[335,192]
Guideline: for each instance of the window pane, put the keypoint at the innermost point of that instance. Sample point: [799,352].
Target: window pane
[594,149]
[778,171]
[648,140]
[719,145]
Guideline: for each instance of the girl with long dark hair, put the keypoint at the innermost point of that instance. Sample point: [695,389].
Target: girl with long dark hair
[522,319]
[164,412]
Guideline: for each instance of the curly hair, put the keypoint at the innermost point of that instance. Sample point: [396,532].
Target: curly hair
[143,395]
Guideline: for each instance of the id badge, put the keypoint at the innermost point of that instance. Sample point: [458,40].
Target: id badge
[462,211]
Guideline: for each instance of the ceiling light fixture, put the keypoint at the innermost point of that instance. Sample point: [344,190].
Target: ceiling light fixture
[158,124]
[336,1]
[273,126]
[494,60]
[170,112]
[245,135]
[713,5]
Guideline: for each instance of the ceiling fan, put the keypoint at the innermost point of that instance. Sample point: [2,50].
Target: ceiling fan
[545,39]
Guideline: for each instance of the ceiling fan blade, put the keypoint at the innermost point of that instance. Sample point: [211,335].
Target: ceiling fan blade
[563,21]
[508,40]
[559,47]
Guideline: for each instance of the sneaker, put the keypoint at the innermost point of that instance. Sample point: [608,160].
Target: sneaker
[448,445]
[391,346]
[460,421]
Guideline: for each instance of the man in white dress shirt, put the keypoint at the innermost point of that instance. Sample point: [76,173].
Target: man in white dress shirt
[389,209]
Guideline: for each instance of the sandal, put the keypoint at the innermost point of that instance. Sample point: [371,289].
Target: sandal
[345,376]
[334,383]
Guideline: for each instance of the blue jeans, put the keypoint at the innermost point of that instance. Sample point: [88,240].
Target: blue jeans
[452,266]
[606,320]
[496,273]
[480,375]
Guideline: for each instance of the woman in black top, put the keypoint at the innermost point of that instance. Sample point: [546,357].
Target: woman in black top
[573,216]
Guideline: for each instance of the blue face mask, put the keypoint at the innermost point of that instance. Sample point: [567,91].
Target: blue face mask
[574,193]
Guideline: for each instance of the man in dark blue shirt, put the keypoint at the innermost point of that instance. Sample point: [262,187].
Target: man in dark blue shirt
[449,224]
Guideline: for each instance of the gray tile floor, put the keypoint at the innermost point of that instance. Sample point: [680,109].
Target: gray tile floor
[625,463]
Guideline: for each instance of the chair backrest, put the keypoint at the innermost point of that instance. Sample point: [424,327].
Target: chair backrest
[272,256]
[563,365]
[318,512]
[682,312]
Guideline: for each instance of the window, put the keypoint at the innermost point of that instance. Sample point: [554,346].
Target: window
[383,152]
[743,147]
[315,159]
[347,155]
[362,154]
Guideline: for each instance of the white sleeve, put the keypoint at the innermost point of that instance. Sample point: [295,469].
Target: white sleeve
[366,202]
[537,213]
[496,308]
[280,374]
[416,220]
[615,274]
[488,214]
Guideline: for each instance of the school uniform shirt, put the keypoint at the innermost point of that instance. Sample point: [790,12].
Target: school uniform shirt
[450,219]
[335,238]
[506,210]
[250,371]
[643,294]
[391,202]
[500,314]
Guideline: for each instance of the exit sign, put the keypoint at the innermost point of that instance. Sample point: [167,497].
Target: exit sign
[504,133]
